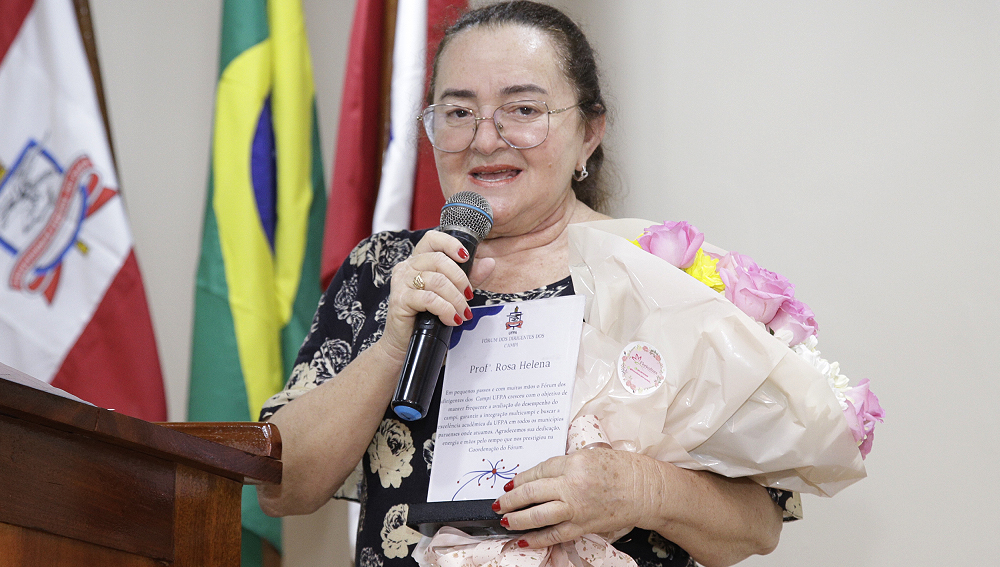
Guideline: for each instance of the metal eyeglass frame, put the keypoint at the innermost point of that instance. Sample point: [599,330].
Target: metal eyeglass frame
[499,127]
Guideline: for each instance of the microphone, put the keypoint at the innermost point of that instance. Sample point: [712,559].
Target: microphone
[468,217]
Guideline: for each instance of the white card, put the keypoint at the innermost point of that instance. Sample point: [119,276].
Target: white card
[506,395]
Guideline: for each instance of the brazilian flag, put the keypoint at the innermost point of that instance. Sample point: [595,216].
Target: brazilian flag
[258,277]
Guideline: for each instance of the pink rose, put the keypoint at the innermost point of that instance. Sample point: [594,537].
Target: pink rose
[863,410]
[757,292]
[675,242]
[796,318]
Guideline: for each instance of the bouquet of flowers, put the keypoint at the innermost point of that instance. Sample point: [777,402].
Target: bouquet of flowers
[695,357]
[704,359]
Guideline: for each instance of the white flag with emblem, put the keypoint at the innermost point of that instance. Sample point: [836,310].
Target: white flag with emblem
[73,310]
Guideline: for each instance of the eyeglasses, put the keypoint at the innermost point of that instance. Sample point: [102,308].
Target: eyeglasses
[523,124]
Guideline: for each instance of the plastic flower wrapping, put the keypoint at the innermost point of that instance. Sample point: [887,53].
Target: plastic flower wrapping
[737,385]
[696,357]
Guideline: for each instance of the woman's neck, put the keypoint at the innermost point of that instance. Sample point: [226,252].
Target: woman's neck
[538,257]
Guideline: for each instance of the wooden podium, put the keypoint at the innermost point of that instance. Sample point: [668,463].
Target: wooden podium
[81,485]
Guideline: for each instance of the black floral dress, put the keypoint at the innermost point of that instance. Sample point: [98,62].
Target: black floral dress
[395,471]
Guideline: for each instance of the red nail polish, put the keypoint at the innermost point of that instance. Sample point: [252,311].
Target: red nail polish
[504,522]
[463,254]
[458,320]
[509,486]
[496,506]
[468,292]
[522,543]
[468,313]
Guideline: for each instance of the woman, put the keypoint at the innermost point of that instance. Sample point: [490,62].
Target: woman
[538,182]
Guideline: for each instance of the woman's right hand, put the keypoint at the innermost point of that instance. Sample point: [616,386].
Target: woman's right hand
[446,289]
[319,453]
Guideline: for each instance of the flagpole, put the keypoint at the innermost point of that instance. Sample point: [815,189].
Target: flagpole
[82,8]
[388,42]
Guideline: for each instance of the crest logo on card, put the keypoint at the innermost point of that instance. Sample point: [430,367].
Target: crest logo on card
[514,320]
[42,209]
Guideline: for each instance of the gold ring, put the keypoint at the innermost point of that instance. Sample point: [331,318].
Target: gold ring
[418,282]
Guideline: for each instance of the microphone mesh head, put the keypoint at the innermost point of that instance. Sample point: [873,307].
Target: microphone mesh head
[470,211]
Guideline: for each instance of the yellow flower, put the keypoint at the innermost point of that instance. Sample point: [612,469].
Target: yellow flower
[636,242]
[704,271]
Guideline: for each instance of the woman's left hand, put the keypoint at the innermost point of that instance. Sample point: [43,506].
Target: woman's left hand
[591,491]
[718,520]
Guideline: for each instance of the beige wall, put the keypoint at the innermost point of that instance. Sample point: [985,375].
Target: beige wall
[852,146]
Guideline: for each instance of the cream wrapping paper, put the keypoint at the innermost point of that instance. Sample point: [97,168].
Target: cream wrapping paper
[735,400]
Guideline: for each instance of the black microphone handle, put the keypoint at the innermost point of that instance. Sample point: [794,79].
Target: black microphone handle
[428,347]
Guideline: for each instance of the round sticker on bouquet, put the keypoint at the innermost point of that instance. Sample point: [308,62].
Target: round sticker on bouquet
[640,368]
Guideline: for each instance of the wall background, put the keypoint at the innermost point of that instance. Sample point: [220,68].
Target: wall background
[852,146]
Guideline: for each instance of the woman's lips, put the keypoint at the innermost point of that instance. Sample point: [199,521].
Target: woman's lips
[494,174]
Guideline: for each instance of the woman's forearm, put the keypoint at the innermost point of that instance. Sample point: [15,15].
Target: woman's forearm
[326,431]
[718,520]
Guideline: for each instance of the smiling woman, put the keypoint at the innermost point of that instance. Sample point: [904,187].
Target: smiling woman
[484,69]
[515,114]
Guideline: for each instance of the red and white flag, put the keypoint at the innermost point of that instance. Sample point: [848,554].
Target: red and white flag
[376,188]
[73,309]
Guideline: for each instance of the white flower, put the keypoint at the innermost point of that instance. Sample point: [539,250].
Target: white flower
[390,453]
[383,251]
[360,253]
[314,326]
[370,341]
[382,313]
[830,370]
[396,535]
[348,309]
[369,558]
[332,356]
[784,335]
[663,548]
[303,377]
[429,450]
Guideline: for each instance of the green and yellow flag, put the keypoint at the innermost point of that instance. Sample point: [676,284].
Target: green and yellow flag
[258,276]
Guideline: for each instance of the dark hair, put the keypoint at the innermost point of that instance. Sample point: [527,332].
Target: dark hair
[577,62]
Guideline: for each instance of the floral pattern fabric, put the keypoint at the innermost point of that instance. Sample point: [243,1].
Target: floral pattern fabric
[395,470]
[390,453]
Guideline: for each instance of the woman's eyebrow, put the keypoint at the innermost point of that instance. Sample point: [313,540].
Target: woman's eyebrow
[458,93]
[506,91]
[521,89]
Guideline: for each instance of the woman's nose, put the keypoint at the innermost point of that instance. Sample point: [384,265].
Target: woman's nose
[487,138]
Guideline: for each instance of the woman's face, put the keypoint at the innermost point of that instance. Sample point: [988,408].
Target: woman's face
[483,68]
